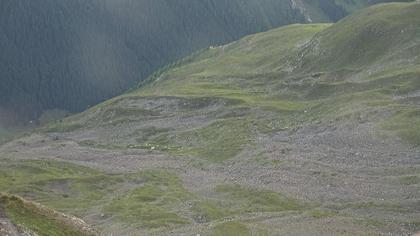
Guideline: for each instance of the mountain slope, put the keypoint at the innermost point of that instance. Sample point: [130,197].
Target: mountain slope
[300,130]
[366,39]
[360,54]
[71,55]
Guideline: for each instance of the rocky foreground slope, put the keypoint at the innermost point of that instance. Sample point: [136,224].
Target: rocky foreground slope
[19,217]
[302,130]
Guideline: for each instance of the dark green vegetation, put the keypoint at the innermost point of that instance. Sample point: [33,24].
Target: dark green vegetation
[71,55]
[40,220]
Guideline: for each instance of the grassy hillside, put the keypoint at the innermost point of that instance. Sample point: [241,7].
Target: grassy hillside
[308,73]
[72,55]
[302,130]
[369,39]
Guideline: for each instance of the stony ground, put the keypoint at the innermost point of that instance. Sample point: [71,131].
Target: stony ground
[348,168]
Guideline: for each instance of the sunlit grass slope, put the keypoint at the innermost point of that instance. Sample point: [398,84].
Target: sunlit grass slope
[366,63]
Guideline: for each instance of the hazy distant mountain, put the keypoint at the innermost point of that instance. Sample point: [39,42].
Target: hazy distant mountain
[72,54]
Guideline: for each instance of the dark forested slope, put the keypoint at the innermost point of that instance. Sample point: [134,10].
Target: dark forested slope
[72,54]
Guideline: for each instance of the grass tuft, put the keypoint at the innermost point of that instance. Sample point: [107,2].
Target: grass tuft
[231,228]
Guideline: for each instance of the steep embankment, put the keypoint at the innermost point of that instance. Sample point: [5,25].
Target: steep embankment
[71,55]
[21,217]
[301,130]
